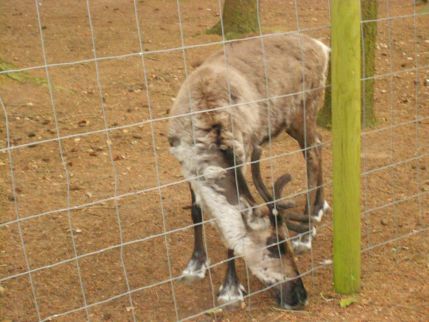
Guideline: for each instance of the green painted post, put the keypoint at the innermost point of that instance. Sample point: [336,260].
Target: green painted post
[346,130]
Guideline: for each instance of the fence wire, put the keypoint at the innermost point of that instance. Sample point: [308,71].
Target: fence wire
[132,292]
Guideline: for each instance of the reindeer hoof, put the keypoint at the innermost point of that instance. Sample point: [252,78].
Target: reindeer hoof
[313,232]
[231,293]
[195,270]
[325,208]
[303,242]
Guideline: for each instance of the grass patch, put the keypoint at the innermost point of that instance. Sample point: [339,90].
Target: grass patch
[424,6]
[21,77]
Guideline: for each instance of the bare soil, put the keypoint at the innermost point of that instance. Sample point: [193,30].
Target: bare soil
[131,161]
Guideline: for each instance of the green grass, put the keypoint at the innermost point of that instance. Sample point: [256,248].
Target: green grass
[21,77]
[424,6]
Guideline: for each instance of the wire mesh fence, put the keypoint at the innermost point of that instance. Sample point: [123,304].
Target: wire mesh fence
[95,218]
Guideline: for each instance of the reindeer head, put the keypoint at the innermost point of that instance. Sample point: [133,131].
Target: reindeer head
[291,294]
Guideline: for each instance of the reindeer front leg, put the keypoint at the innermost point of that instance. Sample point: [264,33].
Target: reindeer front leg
[231,290]
[197,265]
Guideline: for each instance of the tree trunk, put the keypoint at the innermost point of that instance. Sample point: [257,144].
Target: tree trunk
[369,12]
[239,17]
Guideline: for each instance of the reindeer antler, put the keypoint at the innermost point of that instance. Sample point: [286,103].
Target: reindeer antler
[279,185]
[301,221]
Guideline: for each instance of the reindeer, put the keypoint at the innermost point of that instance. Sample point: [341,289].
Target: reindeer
[236,100]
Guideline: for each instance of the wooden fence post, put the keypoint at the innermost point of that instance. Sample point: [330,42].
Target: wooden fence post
[346,132]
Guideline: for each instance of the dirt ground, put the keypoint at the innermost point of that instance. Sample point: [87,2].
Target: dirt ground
[126,189]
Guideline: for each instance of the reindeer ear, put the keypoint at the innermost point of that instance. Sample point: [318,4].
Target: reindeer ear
[256,175]
[235,171]
[173,141]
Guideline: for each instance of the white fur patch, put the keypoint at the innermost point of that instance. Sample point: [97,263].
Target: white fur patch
[228,217]
[326,206]
[198,200]
[321,212]
[257,223]
[319,216]
[254,219]
[213,172]
[326,51]
[303,242]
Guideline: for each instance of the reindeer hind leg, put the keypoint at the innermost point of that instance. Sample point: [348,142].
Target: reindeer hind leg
[309,143]
[321,206]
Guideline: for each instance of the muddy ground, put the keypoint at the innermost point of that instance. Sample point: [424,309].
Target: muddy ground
[59,199]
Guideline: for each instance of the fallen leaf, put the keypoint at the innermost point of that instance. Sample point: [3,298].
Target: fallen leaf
[214,311]
[347,301]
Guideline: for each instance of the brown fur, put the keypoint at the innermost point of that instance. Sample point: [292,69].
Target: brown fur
[292,63]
